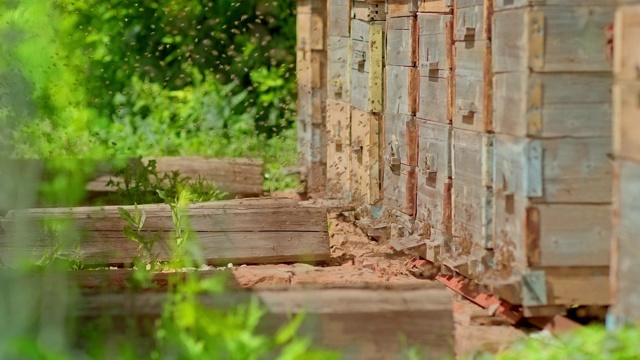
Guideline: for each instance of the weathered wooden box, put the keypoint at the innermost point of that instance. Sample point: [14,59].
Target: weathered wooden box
[367,61]
[310,24]
[473,73]
[339,68]
[435,6]
[338,149]
[400,160]
[434,208]
[551,39]
[552,205]
[339,18]
[368,10]
[472,163]
[365,157]
[552,104]
[435,61]
[399,8]
[402,41]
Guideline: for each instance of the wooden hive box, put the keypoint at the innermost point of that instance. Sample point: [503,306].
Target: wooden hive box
[365,157]
[434,186]
[435,6]
[368,10]
[435,62]
[472,35]
[338,149]
[625,265]
[367,61]
[400,8]
[400,160]
[339,18]
[472,161]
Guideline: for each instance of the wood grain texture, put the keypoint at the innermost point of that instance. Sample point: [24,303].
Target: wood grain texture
[512,4]
[434,102]
[359,323]
[552,39]
[471,86]
[435,54]
[434,208]
[626,142]
[400,8]
[402,41]
[435,6]
[338,149]
[236,176]
[365,157]
[625,250]
[401,90]
[472,190]
[339,68]
[311,29]
[472,21]
[339,17]
[240,231]
[400,160]
[552,105]
[626,59]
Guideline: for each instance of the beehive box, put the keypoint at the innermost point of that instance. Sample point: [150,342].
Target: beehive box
[367,60]
[365,157]
[311,59]
[338,149]
[400,160]
[435,63]
[472,34]
[434,186]
[626,180]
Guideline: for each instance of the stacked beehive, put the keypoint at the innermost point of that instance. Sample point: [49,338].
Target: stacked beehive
[626,134]
[484,129]
[312,91]
[552,176]
[367,68]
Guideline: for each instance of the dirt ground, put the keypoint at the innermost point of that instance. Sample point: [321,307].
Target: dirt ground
[355,259]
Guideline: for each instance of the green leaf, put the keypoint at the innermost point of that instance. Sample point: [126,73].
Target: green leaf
[288,331]
[124,215]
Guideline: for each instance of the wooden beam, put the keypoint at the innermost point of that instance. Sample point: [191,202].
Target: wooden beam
[359,322]
[237,176]
[236,231]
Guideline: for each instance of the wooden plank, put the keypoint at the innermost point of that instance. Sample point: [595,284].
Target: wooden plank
[401,90]
[471,86]
[562,170]
[236,176]
[360,323]
[365,160]
[399,8]
[368,10]
[472,190]
[626,51]
[473,23]
[626,142]
[339,18]
[552,39]
[553,104]
[338,149]
[625,250]
[339,68]
[240,231]
[434,208]
[402,41]
[435,56]
[435,6]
